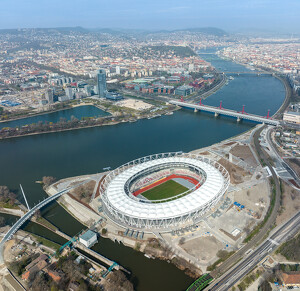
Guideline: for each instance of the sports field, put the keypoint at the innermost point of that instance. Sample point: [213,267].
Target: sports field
[166,190]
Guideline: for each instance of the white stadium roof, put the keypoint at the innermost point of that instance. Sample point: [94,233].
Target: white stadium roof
[213,188]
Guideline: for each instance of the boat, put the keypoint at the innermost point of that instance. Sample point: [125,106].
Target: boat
[231,78]
[147,256]
[170,113]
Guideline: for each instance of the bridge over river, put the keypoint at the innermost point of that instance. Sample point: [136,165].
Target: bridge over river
[27,216]
[228,112]
[255,73]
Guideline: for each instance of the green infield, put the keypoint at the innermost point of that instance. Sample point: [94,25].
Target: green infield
[165,190]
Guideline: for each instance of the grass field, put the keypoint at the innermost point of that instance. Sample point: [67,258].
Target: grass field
[166,190]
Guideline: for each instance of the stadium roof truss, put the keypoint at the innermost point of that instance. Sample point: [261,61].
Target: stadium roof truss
[120,205]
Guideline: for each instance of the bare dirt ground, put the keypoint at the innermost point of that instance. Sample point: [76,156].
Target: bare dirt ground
[290,203]
[229,143]
[7,251]
[244,153]
[205,153]
[237,174]
[255,198]
[205,248]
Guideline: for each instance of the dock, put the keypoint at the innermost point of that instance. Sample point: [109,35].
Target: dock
[94,254]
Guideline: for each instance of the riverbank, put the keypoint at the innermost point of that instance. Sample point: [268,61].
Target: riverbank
[36,114]
[115,232]
[277,75]
[60,130]
[88,151]
[101,121]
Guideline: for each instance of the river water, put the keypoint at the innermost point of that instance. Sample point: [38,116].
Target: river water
[78,112]
[27,159]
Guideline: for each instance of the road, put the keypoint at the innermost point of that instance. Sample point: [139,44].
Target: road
[279,161]
[267,226]
[227,112]
[286,231]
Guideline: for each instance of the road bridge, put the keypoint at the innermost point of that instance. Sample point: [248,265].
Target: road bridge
[227,112]
[256,73]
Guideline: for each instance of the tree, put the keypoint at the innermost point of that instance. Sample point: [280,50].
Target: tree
[181,241]
[2,221]
[265,286]
[7,196]
[38,214]
[48,180]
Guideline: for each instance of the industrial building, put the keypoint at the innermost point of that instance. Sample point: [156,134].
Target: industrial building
[292,117]
[184,90]
[88,239]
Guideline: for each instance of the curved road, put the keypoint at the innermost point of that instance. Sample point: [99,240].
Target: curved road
[268,225]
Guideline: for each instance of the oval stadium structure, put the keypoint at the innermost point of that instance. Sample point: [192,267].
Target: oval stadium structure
[163,191]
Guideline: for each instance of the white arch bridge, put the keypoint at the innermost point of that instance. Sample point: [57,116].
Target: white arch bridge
[27,216]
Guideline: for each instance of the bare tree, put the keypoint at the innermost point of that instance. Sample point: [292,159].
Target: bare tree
[48,180]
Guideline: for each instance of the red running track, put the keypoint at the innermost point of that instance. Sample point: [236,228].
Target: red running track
[163,180]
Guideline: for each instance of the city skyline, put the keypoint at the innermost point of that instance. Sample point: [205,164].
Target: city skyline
[229,15]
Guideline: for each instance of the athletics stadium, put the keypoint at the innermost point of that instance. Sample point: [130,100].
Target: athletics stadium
[163,191]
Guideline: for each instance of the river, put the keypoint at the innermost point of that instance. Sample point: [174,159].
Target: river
[27,159]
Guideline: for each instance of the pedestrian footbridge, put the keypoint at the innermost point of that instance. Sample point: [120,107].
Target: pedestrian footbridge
[27,216]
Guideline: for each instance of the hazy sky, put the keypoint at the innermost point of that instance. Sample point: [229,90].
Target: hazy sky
[154,14]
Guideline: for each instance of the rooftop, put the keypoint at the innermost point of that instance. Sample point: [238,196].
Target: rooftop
[293,112]
[292,278]
[87,235]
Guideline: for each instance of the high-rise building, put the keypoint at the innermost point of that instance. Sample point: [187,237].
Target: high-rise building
[118,70]
[49,96]
[101,82]
[69,93]
[88,90]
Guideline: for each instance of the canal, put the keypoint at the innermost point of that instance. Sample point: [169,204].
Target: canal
[27,159]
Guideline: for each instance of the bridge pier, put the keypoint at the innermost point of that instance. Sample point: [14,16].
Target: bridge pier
[238,119]
[195,110]
[216,114]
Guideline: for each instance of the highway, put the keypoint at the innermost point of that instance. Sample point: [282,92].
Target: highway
[283,233]
[227,265]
